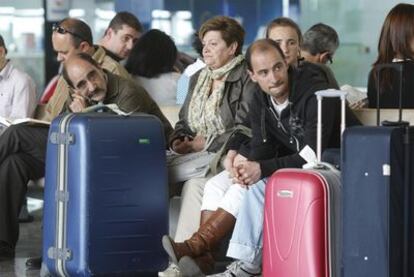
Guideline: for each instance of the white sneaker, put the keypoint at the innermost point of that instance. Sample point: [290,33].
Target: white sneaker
[235,270]
[171,271]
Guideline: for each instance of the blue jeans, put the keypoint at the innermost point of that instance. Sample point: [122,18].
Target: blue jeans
[247,240]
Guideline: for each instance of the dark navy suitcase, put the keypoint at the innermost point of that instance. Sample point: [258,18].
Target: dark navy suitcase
[374,192]
[377,175]
[106,196]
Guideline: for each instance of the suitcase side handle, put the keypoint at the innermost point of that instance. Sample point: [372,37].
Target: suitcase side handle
[330,93]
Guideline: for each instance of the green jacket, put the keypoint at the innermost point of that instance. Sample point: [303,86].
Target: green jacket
[130,97]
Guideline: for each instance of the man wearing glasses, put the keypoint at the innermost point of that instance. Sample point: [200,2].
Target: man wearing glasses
[319,46]
[72,36]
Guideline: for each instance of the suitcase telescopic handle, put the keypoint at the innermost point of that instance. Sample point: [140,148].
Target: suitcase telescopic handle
[330,93]
[395,66]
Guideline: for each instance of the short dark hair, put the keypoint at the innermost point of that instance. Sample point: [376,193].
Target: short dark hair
[261,45]
[154,53]
[230,30]
[81,29]
[125,18]
[284,22]
[2,44]
[320,38]
[197,44]
[83,56]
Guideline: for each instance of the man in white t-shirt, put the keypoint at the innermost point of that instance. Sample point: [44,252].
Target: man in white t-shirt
[17,89]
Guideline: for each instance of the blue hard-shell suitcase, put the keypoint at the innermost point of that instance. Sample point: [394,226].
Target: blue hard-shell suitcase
[106,196]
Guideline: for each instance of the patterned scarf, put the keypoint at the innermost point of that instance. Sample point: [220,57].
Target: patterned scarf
[3,62]
[204,109]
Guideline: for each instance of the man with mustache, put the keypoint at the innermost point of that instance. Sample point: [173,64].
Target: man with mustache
[71,36]
[283,116]
[23,147]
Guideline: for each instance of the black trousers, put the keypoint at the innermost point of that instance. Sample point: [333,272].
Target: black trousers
[22,158]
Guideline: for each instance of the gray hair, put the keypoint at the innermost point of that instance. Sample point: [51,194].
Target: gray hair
[320,38]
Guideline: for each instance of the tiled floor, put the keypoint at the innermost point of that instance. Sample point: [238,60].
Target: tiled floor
[29,245]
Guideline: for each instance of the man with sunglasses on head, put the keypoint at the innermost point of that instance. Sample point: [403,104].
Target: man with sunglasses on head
[72,36]
[121,35]
[23,147]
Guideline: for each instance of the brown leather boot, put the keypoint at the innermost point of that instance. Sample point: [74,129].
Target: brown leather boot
[205,215]
[204,240]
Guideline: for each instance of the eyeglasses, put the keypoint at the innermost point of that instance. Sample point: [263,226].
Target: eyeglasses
[59,29]
[329,57]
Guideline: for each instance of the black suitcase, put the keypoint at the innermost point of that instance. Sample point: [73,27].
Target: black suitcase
[377,175]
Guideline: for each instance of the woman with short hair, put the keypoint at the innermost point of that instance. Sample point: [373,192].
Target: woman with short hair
[218,100]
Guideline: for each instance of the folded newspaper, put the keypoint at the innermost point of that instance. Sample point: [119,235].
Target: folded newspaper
[354,95]
[6,122]
[112,107]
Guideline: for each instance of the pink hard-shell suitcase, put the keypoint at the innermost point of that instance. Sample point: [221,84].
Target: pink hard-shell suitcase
[302,216]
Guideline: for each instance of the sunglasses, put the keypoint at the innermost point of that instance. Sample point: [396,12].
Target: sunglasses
[59,29]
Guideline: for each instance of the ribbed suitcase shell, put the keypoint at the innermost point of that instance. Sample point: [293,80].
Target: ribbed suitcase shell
[373,204]
[106,196]
[302,223]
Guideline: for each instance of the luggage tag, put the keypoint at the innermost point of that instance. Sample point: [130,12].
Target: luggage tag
[309,156]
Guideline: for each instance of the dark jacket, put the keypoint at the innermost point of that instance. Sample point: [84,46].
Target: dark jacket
[277,141]
[238,92]
[390,94]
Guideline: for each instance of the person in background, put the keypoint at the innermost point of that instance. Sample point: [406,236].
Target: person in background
[17,89]
[121,35]
[395,45]
[319,45]
[151,63]
[71,36]
[288,35]
[218,100]
[184,80]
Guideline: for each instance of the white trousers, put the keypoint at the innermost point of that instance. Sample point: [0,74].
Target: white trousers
[220,192]
[189,217]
